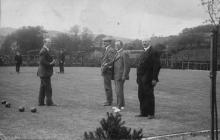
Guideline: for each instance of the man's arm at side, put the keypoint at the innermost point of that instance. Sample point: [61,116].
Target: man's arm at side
[156,66]
[126,66]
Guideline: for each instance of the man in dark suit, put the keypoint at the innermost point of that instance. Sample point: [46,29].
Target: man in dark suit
[121,73]
[18,61]
[147,77]
[61,61]
[45,71]
[106,69]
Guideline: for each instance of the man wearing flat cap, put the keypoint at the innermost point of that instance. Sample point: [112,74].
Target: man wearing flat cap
[45,71]
[106,69]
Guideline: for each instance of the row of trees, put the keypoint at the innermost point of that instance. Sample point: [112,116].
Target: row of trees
[30,38]
[77,39]
[26,38]
[190,38]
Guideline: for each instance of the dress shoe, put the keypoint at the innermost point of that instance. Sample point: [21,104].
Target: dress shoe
[140,115]
[107,104]
[114,107]
[117,110]
[52,104]
[150,117]
[41,104]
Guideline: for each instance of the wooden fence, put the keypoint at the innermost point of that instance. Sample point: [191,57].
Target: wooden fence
[73,60]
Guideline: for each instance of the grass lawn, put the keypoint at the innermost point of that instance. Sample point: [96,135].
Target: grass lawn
[182,103]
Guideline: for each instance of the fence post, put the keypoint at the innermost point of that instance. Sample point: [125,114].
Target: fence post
[188,65]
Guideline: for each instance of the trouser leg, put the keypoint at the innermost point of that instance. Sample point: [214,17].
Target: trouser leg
[61,68]
[41,92]
[48,91]
[119,90]
[141,98]
[108,88]
[17,67]
[148,100]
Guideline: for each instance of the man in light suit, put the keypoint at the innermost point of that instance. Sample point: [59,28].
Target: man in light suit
[45,71]
[106,69]
[147,77]
[121,73]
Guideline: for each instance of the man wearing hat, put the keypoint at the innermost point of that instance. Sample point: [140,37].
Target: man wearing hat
[106,69]
[121,73]
[147,77]
[45,71]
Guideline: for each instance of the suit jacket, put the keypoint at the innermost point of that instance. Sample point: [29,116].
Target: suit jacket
[107,58]
[45,69]
[148,66]
[121,66]
[18,59]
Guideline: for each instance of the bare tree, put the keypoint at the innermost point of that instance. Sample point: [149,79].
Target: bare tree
[213,9]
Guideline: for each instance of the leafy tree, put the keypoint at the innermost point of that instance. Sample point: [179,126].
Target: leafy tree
[64,41]
[134,45]
[26,38]
[75,30]
[86,39]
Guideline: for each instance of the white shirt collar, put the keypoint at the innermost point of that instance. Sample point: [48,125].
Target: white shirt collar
[145,49]
[46,47]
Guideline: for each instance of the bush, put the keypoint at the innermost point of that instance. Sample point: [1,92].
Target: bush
[113,128]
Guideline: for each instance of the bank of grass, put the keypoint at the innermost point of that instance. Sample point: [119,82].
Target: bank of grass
[182,103]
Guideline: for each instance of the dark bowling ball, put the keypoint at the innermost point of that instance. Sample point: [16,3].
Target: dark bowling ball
[8,105]
[3,102]
[21,109]
[33,109]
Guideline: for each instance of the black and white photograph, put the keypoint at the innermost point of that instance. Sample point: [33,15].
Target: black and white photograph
[109,69]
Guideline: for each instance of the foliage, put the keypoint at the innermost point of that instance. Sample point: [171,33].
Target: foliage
[23,39]
[134,45]
[75,30]
[113,128]
[86,39]
[189,38]
[66,42]
[74,41]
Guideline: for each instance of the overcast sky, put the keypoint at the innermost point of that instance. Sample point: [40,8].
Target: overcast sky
[125,18]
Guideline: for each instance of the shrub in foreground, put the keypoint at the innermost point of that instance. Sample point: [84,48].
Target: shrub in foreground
[113,128]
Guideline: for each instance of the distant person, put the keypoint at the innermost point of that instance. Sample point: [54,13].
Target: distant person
[1,61]
[147,77]
[45,71]
[121,73]
[61,61]
[18,61]
[106,69]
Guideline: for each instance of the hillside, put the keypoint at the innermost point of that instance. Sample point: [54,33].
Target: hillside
[6,30]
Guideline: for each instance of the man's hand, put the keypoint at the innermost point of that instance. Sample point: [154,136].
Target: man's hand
[53,62]
[154,82]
